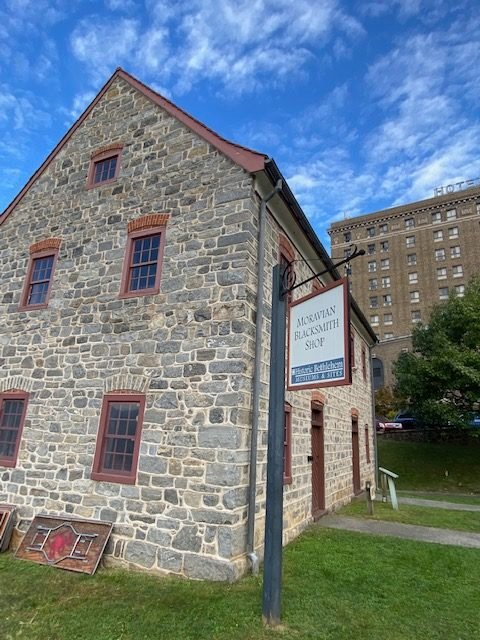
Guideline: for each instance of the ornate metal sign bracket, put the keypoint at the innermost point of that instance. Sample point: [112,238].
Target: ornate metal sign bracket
[289,278]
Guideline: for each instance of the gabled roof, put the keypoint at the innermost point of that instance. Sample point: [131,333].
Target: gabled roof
[248,159]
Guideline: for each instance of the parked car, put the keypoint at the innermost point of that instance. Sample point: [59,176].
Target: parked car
[474,420]
[407,419]
[383,424]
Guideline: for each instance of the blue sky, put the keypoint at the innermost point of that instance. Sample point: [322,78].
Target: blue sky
[363,105]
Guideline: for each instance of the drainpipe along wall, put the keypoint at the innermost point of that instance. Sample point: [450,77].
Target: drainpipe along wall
[252,485]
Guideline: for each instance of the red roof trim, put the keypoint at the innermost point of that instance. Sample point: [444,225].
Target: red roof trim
[247,158]
[250,160]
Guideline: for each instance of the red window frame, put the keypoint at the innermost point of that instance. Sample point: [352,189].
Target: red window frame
[287,444]
[11,461]
[101,156]
[367,444]
[99,472]
[128,266]
[38,255]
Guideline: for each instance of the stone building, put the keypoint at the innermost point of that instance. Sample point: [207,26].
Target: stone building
[416,256]
[130,313]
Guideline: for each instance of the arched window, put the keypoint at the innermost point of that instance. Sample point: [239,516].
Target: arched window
[378,375]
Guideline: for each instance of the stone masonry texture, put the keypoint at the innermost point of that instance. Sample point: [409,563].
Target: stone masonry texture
[189,349]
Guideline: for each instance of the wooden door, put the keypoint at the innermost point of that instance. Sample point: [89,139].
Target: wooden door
[355,457]
[318,462]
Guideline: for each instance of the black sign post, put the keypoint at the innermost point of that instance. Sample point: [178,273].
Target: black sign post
[283,283]
[272,568]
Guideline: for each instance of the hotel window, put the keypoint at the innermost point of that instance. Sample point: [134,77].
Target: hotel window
[383,228]
[442,273]
[346,253]
[371,232]
[412,259]
[416,316]
[373,302]
[414,296]
[385,282]
[388,335]
[387,318]
[384,246]
[370,249]
[387,300]
[455,252]
[453,232]
[118,440]
[413,278]
[451,214]
[374,320]
[438,235]
[409,223]
[372,284]
[410,241]
[385,263]
[459,290]
[13,406]
[347,236]
[439,255]
[372,266]
[436,218]
[443,293]
[457,271]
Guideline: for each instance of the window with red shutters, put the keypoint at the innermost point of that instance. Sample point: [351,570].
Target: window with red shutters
[13,407]
[364,363]
[118,441]
[287,445]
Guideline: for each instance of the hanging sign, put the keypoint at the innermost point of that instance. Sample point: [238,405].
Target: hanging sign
[319,339]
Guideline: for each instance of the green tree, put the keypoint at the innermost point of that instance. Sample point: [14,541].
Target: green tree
[441,377]
[387,403]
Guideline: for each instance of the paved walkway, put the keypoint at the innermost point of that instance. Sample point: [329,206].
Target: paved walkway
[398,530]
[438,504]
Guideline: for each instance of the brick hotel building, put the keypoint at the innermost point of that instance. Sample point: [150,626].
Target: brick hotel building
[417,255]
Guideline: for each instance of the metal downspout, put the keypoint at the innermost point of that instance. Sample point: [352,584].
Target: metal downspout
[252,483]
[374,422]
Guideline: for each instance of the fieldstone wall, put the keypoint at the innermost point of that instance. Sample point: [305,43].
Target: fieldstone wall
[190,349]
[338,403]
[187,348]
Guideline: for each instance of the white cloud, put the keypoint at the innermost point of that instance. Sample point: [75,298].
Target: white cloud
[107,43]
[240,45]
[80,103]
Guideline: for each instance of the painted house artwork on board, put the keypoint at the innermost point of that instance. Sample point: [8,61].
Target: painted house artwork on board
[130,391]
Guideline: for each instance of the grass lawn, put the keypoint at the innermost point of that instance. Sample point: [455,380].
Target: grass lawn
[424,516]
[337,585]
[422,466]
